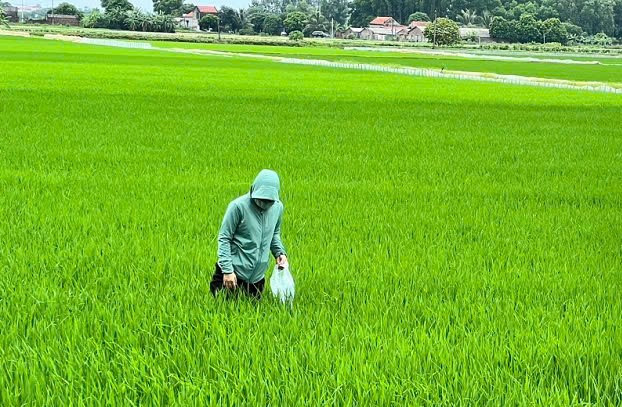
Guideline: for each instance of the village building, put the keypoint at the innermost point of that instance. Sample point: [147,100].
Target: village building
[388,29]
[388,33]
[358,33]
[191,19]
[62,19]
[11,13]
[476,34]
[380,22]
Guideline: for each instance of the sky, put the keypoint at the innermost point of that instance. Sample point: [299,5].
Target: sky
[145,5]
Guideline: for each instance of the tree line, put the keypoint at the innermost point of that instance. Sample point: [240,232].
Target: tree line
[592,16]
[516,20]
[509,20]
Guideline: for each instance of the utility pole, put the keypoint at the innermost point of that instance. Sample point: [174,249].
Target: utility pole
[218,17]
[332,30]
[435,28]
[22,11]
[52,12]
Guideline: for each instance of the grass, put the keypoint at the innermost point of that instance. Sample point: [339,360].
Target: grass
[452,242]
[610,70]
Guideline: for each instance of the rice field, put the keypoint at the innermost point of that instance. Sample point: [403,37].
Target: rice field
[453,243]
[607,69]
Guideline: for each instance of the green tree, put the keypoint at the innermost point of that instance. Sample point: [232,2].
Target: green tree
[303,6]
[468,17]
[167,6]
[617,19]
[116,18]
[67,9]
[230,19]
[96,19]
[443,31]
[133,20]
[186,8]
[146,22]
[486,19]
[315,22]
[272,24]
[295,21]
[528,29]
[208,22]
[553,30]
[597,16]
[163,23]
[500,29]
[256,16]
[418,16]
[573,29]
[601,39]
[336,10]
[123,5]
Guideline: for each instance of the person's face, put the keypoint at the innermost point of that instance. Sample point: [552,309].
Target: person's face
[264,203]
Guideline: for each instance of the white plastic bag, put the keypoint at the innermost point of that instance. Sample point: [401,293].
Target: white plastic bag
[282,284]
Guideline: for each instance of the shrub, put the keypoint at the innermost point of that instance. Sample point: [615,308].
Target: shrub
[248,30]
[296,35]
[443,31]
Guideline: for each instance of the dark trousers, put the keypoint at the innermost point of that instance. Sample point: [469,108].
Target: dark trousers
[251,289]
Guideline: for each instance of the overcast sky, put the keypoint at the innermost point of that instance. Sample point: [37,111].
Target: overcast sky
[146,5]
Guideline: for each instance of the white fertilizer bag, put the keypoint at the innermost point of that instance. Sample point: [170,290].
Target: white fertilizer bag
[282,284]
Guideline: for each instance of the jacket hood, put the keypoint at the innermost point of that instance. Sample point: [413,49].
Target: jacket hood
[266,186]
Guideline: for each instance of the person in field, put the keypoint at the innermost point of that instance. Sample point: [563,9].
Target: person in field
[250,231]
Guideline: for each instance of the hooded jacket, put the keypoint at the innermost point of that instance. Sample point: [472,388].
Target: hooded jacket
[248,233]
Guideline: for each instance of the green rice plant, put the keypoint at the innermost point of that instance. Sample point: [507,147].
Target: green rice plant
[453,243]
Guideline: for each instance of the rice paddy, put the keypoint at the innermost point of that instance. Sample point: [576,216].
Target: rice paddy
[453,243]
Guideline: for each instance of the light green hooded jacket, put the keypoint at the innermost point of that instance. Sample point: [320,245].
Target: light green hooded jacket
[248,233]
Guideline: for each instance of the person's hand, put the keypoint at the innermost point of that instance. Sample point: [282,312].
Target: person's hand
[230,281]
[281,261]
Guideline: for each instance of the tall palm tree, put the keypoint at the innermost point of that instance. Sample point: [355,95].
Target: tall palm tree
[316,22]
[468,17]
[487,18]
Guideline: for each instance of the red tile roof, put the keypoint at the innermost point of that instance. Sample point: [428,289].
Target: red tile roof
[420,24]
[207,10]
[380,20]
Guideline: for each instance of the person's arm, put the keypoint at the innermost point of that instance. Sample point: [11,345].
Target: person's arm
[276,246]
[225,237]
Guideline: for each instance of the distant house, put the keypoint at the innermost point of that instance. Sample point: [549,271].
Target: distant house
[358,33]
[380,29]
[205,10]
[476,34]
[11,13]
[191,20]
[380,22]
[188,21]
[419,24]
[416,32]
[62,19]
[388,33]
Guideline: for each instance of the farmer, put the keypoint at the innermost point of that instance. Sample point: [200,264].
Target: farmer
[250,230]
